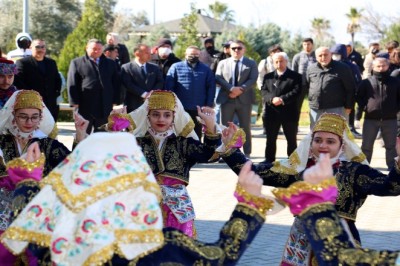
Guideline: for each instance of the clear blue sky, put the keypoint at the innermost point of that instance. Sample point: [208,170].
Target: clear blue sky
[293,15]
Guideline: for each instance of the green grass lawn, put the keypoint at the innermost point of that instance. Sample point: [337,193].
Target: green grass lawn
[304,117]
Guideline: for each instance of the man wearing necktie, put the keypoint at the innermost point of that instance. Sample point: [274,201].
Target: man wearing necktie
[93,85]
[237,77]
[139,77]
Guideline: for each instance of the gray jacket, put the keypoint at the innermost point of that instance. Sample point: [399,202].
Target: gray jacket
[330,87]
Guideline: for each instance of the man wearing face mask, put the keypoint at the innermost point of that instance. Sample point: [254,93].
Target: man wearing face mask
[379,97]
[194,84]
[163,56]
[209,54]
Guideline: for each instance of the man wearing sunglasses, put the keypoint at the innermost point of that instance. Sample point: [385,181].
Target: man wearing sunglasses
[237,77]
[40,73]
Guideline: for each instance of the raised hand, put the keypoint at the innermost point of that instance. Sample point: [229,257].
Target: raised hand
[33,153]
[119,111]
[229,132]
[249,180]
[319,172]
[81,125]
[207,114]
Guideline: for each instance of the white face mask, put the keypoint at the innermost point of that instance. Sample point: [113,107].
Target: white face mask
[164,51]
[336,57]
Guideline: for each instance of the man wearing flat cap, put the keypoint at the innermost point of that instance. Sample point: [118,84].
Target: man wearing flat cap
[163,56]
[7,71]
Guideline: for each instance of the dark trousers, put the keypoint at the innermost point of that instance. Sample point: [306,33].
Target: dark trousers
[95,123]
[198,127]
[388,130]
[243,112]
[272,129]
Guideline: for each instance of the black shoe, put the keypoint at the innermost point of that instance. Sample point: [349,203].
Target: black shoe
[221,160]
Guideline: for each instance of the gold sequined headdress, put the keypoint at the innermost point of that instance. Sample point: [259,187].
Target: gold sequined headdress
[28,99]
[162,100]
[327,122]
[332,123]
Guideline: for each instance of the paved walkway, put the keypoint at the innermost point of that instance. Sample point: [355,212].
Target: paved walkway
[211,188]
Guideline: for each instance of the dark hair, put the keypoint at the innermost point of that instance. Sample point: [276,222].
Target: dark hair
[392,44]
[137,47]
[94,41]
[239,42]
[110,48]
[275,48]
[395,57]
[308,40]
[24,42]
[373,44]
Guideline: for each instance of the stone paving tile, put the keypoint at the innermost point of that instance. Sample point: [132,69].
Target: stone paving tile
[211,188]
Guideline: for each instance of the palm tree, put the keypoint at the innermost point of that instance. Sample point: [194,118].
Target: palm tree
[354,16]
[221,12]
[320,26]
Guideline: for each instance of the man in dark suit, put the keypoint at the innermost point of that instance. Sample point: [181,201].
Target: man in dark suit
[140,77]
[237,77]
[40,73]
[93,85]
[281,90]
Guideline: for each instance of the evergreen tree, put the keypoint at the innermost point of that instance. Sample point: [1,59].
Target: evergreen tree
[52,21]
[190,36]
[11,24]
[91,26]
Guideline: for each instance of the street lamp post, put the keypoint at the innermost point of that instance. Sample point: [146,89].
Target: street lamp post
[25,17]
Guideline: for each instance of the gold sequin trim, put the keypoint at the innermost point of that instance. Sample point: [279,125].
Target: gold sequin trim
[367,257]
[301,186]
[22,163]
[332,123]
[20,234]
[54,132]
[105,189]
[239,133]
[28,99]
[359,159]
[187,129]
[134,236]
[279,168]
[111,122]
[164,100]
[261,204]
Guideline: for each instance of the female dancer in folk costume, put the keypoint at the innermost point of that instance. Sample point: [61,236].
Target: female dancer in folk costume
[313,202]
[355,178]
[165,133]
[24,120]
[100,206]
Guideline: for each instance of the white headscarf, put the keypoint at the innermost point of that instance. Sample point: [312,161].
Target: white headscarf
[7,121]
[297,161]
[183,124]
[101,200]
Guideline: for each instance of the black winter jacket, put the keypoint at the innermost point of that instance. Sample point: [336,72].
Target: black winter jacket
[379,99]
[330,87]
